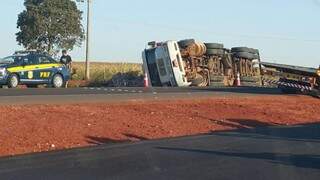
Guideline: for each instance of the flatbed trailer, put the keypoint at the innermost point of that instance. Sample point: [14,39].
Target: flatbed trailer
[292,79]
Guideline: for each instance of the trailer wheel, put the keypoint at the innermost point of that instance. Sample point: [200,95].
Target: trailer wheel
[186,42]
[196,82]
[244,49]
[214,46]
[253,51]
[245,55]
[217,52]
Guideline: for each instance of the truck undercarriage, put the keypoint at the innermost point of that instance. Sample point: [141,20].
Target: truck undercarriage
[211,64]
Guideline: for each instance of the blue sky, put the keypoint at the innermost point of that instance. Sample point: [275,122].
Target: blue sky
[285,31]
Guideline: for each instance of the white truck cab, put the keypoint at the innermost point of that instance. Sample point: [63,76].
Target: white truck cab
[163,64]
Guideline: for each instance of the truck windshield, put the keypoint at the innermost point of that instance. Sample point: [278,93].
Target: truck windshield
[152,67]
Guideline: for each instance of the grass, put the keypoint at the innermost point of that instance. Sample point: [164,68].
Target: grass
[103,73]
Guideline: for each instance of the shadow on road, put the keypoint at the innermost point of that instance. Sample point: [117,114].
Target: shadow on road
[304,133]
[100,140]
[241,123]
[245,90]
[128,138]
[298,160]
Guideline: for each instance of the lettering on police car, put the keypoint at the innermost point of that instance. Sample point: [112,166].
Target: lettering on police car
[44,74]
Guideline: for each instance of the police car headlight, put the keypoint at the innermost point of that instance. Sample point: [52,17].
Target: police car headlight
[2,72]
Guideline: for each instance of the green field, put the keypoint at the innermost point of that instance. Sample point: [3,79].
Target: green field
[109,74]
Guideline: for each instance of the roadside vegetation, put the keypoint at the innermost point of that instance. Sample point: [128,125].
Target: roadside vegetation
[108,74]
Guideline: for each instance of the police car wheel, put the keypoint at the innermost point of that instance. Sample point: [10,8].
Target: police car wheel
[57,81]
[13,81]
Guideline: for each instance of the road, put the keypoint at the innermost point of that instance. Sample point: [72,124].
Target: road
[80,95]
[264,153]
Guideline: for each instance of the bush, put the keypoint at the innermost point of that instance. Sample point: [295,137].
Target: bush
[110,74]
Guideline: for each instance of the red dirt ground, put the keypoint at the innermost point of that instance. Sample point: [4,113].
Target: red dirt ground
[37,128]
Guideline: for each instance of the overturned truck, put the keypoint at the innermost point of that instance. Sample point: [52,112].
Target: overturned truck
[192,63]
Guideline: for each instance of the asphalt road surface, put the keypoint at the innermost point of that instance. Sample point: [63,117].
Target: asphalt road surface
[78,95]
[259,154]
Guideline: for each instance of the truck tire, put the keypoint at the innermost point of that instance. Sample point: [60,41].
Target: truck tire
[201,80]
[13,81]
[216,78]
[255,56]
[186,42]
[214,46]
[216,52]
[196,82]
[245,55]
[240,49]
[254,51]
[245,49]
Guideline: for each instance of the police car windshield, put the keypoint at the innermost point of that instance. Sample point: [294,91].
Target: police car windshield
[11,60]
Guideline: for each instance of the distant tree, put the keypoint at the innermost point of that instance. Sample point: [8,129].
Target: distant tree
[50,25]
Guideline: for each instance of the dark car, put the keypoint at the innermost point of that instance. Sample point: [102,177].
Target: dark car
[32,69]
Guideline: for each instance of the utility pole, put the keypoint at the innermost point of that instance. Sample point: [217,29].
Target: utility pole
[88,42]
[87,65]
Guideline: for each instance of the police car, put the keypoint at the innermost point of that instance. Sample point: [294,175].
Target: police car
[32,68]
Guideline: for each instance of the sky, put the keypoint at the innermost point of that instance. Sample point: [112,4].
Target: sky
[285,31]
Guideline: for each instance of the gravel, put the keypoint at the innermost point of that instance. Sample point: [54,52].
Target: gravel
[38,128]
